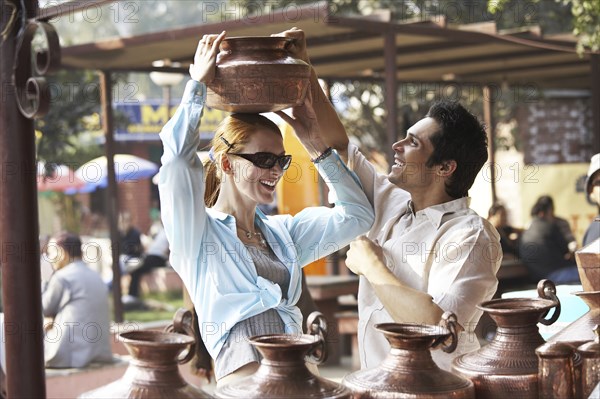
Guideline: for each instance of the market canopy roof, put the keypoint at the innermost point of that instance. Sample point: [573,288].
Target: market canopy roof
[344,47]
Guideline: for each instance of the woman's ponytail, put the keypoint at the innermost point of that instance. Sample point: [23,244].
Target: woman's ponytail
[212,183]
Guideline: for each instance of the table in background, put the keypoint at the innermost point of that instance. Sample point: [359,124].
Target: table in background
[325,291]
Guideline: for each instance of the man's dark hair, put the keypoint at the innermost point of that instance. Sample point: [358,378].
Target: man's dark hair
[461,138]
[71,243]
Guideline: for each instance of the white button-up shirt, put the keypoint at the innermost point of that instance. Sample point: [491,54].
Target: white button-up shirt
[446,250]
[206,252]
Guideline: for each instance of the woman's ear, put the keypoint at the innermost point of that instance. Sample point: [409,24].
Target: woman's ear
[226,164]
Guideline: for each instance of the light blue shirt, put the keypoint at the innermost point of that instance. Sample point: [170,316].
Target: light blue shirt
[213,263]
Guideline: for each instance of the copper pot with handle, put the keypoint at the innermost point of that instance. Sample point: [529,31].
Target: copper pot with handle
[283,373]
[508,366]
[153,370]
[409,370]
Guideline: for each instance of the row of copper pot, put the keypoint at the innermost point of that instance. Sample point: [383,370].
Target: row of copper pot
[517,363]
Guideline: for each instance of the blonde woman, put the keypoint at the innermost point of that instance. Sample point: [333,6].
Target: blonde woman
[241,268]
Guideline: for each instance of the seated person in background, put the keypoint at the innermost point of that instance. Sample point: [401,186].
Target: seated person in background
[592,190]
[156,256]
[563,224]
[75,298]
[130,244]
[544,248]
[509,236]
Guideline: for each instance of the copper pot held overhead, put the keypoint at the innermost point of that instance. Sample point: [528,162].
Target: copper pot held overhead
[153,369]
[283,373]
[257,74]
[409,371]
[508,366]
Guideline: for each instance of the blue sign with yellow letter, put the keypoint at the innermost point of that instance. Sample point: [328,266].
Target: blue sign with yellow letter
[145,119]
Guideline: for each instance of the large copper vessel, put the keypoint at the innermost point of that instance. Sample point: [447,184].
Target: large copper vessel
[508,366]
[559,371]
[283,373]
[257,74]
[409,370]
[588,265]
[581,330]
[590,373]
[153,369]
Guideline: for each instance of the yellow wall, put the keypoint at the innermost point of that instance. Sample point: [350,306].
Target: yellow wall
[299,187]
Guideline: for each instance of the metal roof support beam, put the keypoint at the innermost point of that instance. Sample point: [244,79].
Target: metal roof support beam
[525,68]
[19,231]
[595,85]
[406,50]
[391,93]
[112,210]
[69,7]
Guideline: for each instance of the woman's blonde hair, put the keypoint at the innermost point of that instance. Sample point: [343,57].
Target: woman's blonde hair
[237,130]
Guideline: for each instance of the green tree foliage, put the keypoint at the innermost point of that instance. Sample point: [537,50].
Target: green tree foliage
[583,17]
[74,110]
[586,23]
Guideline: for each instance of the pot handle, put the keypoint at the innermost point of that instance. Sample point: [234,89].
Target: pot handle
[183,322]
[547,290]
[316,324]
[449,322]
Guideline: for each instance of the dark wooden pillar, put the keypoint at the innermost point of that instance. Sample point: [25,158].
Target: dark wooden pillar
[112,206]
[20,252]
[391,94]
[488,116]
[595,85]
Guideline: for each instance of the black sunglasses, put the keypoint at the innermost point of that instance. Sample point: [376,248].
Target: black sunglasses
[266,160]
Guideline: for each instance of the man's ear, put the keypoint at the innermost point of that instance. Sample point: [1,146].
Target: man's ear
[446,168]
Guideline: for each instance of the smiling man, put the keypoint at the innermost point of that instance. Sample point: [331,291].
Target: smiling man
[427,251]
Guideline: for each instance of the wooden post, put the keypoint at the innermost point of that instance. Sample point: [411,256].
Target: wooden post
[595,85]
[391,94]
[488,116]
[20,252]
[112,207]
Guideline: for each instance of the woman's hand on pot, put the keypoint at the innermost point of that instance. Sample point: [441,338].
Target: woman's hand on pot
[298,45]
[205,60]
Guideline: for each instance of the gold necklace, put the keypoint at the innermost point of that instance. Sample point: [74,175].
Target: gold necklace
[250,235]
